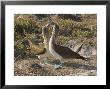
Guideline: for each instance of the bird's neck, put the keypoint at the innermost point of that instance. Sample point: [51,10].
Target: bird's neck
[52,41]
[46,42]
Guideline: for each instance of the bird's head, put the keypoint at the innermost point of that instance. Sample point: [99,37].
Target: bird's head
[55,28]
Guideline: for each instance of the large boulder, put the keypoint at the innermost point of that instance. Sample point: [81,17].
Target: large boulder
[83,48]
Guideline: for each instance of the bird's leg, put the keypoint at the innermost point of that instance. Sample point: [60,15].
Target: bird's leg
[61,63]
[43,60]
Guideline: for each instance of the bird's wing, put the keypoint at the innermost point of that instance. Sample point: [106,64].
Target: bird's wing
[66,52]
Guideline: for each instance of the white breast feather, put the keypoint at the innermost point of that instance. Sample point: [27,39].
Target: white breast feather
[52,51]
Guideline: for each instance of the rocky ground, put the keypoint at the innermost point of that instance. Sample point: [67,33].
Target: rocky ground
[31,67]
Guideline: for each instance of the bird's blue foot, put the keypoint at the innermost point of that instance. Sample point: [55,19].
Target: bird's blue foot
[56,66]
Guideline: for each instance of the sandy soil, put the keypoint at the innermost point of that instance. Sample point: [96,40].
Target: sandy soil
[32,67]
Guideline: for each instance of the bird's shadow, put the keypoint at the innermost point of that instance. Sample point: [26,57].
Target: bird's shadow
[80,66]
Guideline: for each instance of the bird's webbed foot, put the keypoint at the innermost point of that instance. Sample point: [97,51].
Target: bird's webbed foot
[57,66]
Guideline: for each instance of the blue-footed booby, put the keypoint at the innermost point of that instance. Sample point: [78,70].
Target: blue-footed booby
[42,53]
[60,52]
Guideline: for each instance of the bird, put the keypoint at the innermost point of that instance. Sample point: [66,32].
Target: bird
[60,52]
[46,37]
[42,51]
